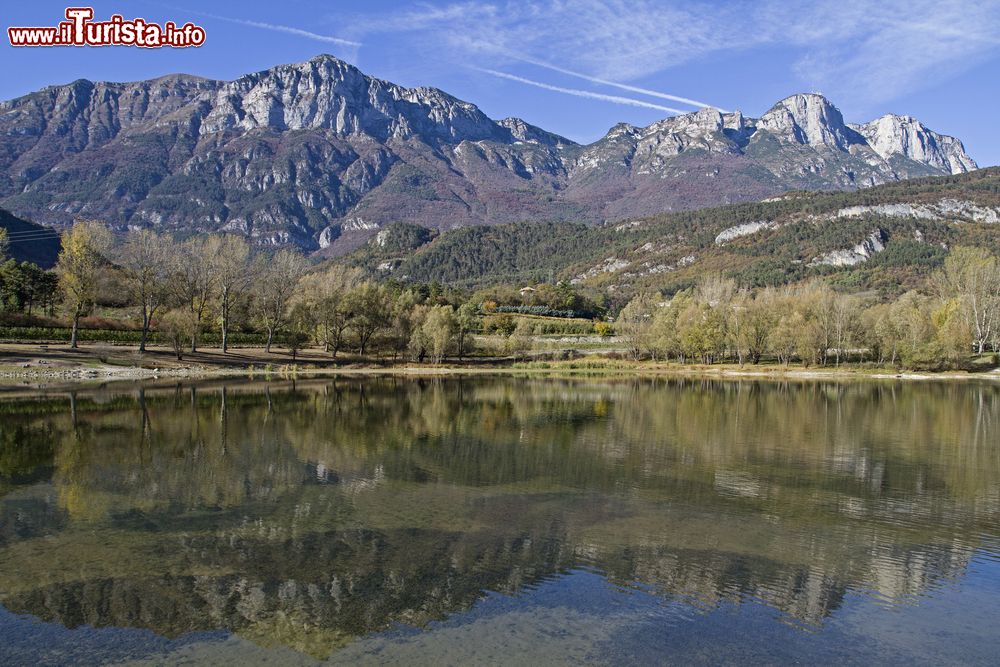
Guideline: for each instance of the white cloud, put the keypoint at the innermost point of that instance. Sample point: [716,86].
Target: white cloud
[578,32]
[616,99]
[860,52]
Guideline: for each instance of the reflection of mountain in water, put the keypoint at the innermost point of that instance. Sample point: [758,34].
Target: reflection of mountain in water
[308,514]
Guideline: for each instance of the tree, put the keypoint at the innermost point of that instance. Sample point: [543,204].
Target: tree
[78,267]
[11,286]
[194,280]
[439,328]
[715,290]
[845,321]
[145,261]
[40,287]
[701,330]
[663,340]
[753,320]
[325,294]
[418,343]
[176,325]
[635,322]
[403,324]
[784,338]
[911,317]
[466,324]
[953,335]
[882,333]
[370,312]
[973,275]
[301,321]
[521,340]
[233,266]
[277,278]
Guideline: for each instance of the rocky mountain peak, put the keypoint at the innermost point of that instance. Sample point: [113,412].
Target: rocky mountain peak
[328,93]
[521,130]
[810,119]
[705,121]
[893,134]
[622,130]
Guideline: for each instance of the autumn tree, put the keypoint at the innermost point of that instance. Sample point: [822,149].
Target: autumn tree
[752,318]
[177,326]
[277,278]
[663,340]
[635,322]
[145,262]
[439,328]
[232,265]
[369,310]
[419,343]
[701,330]
[973,275]
[521,340]
[403,322]
[80,262]
[194,280]
[466,324]
[325,294]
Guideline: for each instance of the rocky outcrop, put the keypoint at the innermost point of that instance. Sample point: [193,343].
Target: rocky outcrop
[953,210]
[873,243]
[745,229]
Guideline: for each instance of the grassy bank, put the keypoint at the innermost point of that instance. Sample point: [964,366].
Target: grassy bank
[22,364]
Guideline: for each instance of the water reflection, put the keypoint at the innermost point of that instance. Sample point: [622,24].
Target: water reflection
[309,514]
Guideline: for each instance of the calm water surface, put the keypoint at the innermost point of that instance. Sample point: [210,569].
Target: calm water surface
[501,521]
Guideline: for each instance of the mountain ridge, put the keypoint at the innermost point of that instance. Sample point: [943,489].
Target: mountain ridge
[884,238]
[320,155]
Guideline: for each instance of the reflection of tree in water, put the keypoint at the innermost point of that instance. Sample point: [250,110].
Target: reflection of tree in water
[307,514]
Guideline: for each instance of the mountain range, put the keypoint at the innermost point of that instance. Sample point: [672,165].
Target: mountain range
[322,156]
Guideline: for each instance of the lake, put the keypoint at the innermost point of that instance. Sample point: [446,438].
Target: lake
[501,521]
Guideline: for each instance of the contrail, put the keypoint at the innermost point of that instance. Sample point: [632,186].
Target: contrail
[286,29]
[614,84]
[580,93]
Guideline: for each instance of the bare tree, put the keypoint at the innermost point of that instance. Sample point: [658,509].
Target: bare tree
[80,263]
[194,281]
[845,322]
[145,261]
[233,268]
[325,294]
[277,277]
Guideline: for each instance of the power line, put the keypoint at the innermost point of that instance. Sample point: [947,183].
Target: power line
[20,235]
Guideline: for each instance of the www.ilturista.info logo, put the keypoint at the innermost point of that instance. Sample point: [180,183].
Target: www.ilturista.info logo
[79,29]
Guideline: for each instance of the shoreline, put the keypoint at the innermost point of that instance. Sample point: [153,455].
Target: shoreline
[23,366]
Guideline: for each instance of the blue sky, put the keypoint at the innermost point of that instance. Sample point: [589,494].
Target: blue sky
[577,67]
